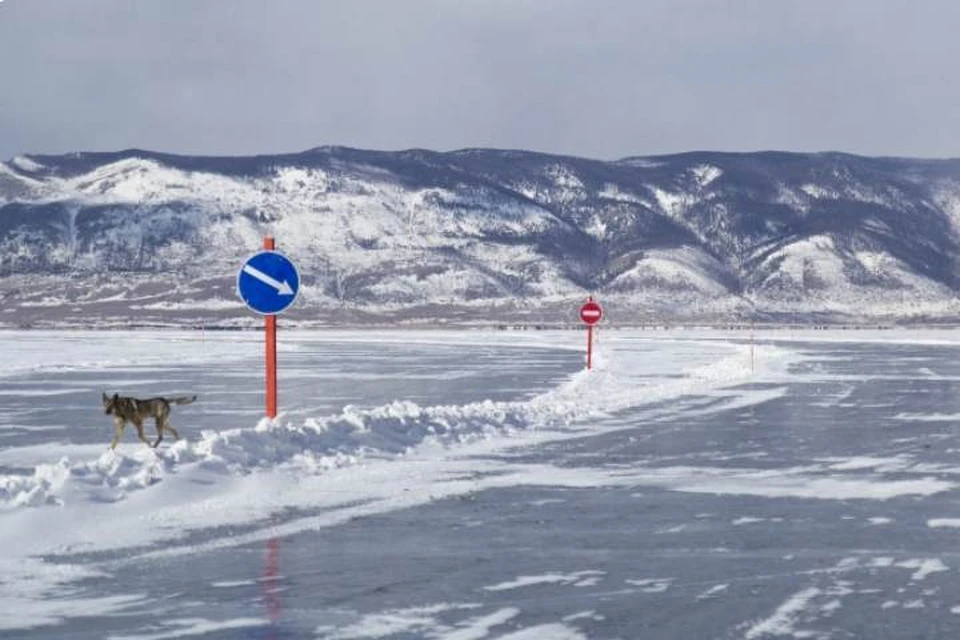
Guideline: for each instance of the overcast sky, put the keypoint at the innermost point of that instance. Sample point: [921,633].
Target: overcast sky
[597,78]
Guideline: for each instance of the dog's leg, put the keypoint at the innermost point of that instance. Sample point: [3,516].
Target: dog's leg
[168,426]
[159,421]
[138,423]
[117,432]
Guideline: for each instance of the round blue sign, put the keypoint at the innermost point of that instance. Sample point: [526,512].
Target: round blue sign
[268,282]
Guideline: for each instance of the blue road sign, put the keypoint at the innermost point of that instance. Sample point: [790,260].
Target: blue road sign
[268,282]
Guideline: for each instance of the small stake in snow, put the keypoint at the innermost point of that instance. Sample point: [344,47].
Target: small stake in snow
[590,313]
[268,283]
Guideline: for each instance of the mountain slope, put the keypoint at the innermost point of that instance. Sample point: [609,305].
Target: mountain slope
[481,236]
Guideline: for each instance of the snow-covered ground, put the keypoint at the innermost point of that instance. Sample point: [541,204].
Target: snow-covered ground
[478,484]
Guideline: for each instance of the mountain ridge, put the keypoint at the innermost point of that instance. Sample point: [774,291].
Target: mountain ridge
[481,236]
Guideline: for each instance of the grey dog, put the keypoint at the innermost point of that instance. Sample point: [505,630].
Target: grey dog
[135,410]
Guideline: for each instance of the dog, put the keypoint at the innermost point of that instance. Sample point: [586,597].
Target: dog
[135,410]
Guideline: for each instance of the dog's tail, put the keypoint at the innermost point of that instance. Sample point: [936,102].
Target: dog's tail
[182,399]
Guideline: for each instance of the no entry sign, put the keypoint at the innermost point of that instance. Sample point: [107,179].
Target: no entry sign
[591,312]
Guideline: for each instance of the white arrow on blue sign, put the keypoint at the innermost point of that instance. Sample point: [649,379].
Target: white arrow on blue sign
[268,282]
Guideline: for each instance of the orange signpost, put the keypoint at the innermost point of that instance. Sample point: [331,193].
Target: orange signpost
[590,314]
[268,283]
[270,333]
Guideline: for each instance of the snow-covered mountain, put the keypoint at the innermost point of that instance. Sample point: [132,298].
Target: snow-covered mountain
[137,237]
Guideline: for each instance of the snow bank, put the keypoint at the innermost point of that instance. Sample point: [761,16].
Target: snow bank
[317,445]
[387,431]
[40,488]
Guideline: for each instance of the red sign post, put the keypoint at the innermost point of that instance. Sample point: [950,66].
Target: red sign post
[590,314]
[268,283]
[270,330]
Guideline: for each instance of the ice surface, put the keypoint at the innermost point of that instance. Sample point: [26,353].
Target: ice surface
[584,578]
[784,619]
[723,474]
[193,627]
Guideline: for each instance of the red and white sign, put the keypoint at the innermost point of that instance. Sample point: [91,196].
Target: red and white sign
[591,312]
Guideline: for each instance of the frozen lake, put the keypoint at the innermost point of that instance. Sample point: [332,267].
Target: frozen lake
[480,485]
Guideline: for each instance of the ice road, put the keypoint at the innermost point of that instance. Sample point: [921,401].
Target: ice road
[472,484]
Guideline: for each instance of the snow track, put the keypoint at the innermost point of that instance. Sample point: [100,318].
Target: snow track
[354,435]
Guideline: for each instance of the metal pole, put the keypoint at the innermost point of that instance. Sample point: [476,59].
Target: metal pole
[270,330]
[589,345]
